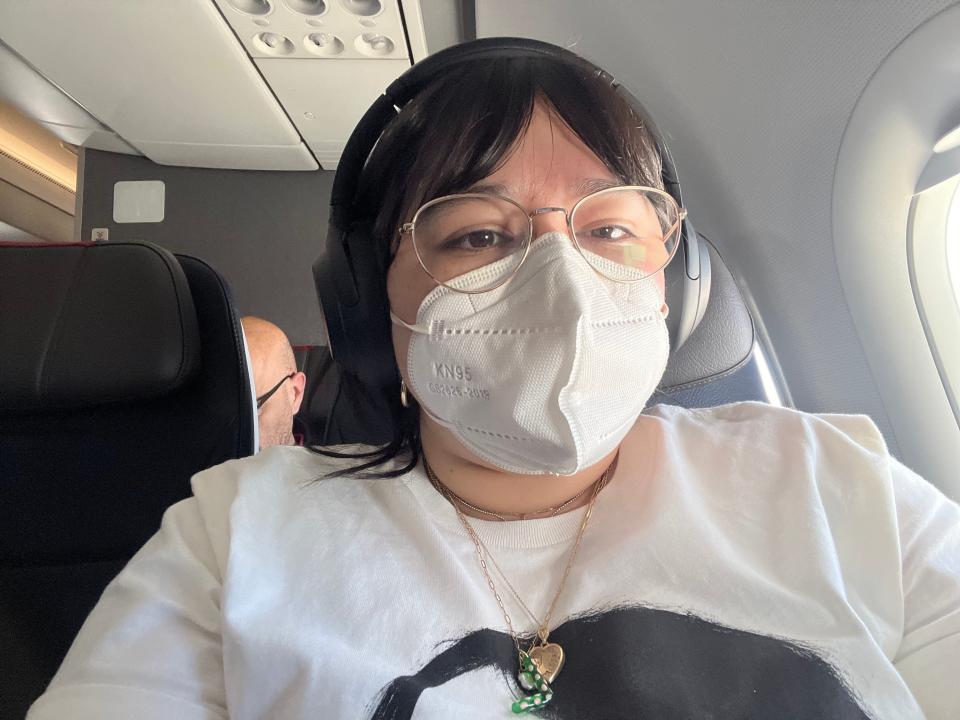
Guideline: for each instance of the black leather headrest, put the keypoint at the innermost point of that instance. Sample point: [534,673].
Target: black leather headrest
[88,324]
[723,340]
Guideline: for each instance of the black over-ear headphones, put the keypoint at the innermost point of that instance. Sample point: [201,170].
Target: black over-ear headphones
[350,277]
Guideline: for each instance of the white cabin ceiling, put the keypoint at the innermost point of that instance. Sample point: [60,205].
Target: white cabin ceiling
[241,84]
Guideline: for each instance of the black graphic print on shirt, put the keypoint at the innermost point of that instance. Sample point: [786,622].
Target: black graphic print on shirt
[637,662]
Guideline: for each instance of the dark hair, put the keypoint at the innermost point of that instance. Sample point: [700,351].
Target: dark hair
[460,130]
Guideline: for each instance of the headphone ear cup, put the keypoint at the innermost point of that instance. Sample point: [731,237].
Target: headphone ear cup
[376,363]
[354,305]
[688,286]
[704,279]
[333,280]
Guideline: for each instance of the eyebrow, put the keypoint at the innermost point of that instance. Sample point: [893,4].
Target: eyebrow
[592,185]
[581,187]
[489,189]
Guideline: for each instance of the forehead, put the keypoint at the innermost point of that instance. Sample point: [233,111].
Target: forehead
[549,164]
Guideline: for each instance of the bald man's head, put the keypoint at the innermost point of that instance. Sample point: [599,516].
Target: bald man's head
[272,360]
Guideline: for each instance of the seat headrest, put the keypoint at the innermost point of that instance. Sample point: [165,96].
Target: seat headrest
[723,340]
[93,323]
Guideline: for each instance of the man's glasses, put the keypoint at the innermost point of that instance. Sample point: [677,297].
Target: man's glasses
[626,233]
[267,395]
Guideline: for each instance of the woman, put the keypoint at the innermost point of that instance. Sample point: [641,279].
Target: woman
[529,542]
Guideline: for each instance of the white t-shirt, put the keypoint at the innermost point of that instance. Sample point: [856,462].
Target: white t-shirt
[757,563]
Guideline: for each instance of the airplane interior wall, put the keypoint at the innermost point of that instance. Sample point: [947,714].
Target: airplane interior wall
[32,216]
[261,230]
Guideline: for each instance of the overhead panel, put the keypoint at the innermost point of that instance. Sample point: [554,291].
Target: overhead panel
[318,29]
[170,78]
[326,100]
[328,60]
[32,94]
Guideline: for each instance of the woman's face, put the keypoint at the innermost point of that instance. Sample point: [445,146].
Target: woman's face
[549,168]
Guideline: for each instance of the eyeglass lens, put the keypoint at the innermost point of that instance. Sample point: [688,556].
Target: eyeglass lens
[624,233]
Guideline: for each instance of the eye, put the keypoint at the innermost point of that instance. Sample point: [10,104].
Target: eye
[479,240]
[610,232]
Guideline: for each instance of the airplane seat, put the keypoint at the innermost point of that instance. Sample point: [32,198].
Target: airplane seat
[123,374]
[334,411]
[716,365]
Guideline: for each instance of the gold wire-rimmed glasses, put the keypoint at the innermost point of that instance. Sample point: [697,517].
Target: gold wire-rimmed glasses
[476,242]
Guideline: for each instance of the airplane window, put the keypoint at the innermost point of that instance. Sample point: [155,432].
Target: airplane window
[770,385]
[934,258]
[953,246]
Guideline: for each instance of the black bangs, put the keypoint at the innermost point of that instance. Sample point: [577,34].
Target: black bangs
[446,139]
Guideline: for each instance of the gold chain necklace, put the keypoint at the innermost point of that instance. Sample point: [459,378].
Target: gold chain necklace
[519,516]
[513,590]
[448,493]
[542,660]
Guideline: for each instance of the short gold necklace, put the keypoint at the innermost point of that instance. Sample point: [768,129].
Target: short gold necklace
[541,662]
[500,515]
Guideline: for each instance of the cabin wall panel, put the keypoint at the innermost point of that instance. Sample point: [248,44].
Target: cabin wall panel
[261,230]
[33,216]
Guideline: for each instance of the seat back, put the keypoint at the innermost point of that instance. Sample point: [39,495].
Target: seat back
[123,374]
[719,363]
[335,410]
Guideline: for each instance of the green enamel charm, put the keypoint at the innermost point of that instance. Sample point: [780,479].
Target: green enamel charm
[534,683]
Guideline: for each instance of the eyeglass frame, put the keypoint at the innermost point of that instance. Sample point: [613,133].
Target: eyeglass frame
[409,227]
[262,400]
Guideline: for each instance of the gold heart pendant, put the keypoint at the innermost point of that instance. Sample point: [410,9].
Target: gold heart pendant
[548,659]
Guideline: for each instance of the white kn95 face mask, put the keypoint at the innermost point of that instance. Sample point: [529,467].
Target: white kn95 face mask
[546,373]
